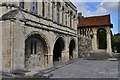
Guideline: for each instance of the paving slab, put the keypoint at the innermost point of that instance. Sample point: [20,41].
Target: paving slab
[88,69]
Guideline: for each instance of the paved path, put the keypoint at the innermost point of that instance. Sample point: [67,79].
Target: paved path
[88,69]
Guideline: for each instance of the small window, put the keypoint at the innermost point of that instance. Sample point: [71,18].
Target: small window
[33,6]
[62,15]
[43,8]
[66,19]
[21,4]
[58,12]
[33,46]
[71,19]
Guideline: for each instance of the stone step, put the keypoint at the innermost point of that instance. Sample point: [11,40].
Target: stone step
[113,59]
[48,75]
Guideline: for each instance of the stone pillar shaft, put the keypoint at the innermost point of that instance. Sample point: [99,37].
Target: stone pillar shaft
[65,53]
[94,41]
[109,50]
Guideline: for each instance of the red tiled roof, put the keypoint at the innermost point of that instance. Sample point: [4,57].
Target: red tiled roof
[95,21]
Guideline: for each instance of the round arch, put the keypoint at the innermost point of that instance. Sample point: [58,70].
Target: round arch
[59,46]
[43,36]
[36,48]
[101,38]
[72,47]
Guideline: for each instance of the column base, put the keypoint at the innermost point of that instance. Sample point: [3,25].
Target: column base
[65,56]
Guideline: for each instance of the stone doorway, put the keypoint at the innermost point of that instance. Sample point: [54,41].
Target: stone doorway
[35,49]
[58,48]
[101,38]
[71,48]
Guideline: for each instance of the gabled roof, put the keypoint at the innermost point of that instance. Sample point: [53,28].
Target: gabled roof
[95,21]
[9,15]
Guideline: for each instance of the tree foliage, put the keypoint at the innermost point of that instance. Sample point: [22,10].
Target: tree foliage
[115,43]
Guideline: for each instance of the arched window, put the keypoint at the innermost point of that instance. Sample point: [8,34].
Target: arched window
[66,15]
[33,6]
[62,15]
[48,9]
[21,4]
[43,8]
[51,10]
[58,12]
[66,19]
[71,19]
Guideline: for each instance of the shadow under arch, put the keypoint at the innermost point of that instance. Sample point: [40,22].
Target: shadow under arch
[59,46]
[72,47]
[101,38]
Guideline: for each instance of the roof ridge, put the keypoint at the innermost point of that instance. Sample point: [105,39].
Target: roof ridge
[97,16]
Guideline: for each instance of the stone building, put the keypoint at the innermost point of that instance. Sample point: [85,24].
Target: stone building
[36,34]
[94,34]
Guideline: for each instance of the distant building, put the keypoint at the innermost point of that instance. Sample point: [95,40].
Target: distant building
[36,34]
[94,34]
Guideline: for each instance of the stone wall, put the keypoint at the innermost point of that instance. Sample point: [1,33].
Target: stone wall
[84,46]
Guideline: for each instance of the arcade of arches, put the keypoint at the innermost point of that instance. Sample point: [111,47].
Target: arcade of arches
[59,49]
[36,50]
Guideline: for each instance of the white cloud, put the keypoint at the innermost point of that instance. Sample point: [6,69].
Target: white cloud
[102,9]
[111,6]
[84,9]
[94,0]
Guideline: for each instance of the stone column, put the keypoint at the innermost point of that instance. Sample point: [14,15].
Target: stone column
[60,15]
[39,7]
[49,57]
[46,9]
[27,5]
[54,12]
[48,61]
[65,53]
[75,52]
[75,24]
[1,45]
[72,22]
[94,40]
[69,20]
[1,37]
[81,33]
[109,50]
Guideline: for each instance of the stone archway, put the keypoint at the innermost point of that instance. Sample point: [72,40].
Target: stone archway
[71,48]
[101,38]
[35,49]
[58,48]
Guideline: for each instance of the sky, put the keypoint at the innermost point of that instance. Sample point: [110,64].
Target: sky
[100,7]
